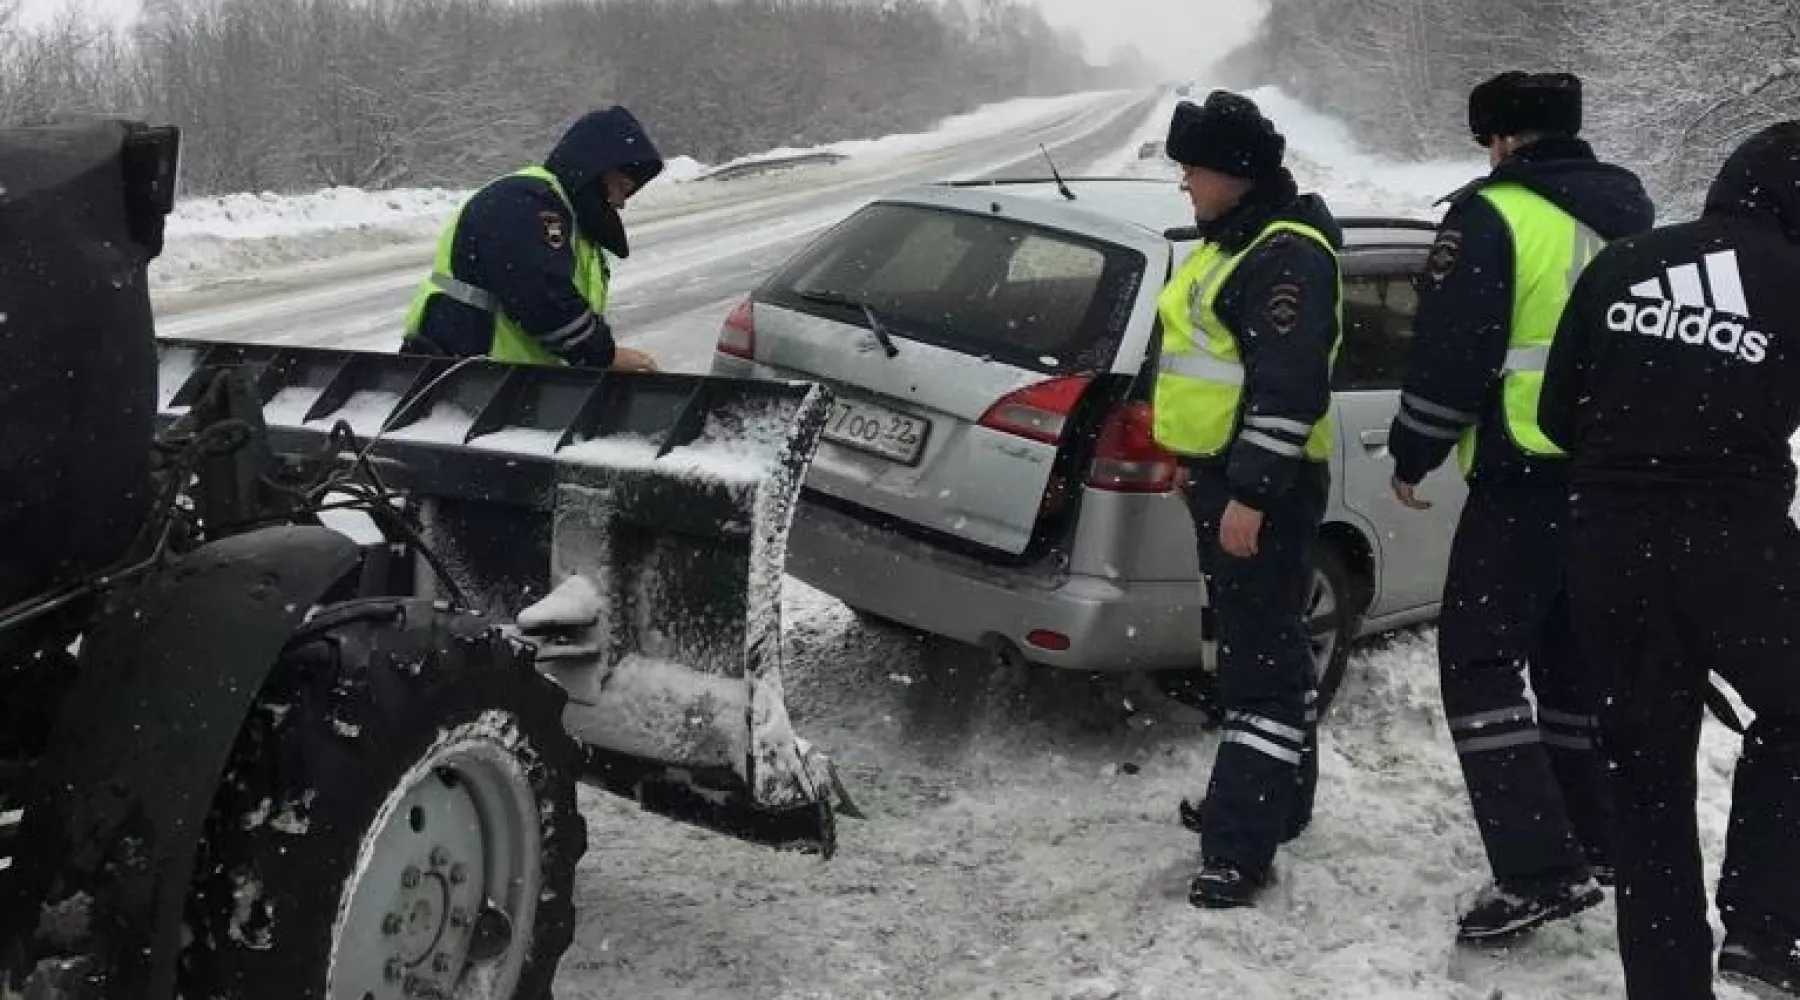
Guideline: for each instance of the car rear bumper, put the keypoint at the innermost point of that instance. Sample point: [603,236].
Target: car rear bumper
[1109,625]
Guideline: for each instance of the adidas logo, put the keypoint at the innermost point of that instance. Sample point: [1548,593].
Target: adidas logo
[1679,307]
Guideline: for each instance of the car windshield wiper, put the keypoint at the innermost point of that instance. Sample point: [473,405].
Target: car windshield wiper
[876,327]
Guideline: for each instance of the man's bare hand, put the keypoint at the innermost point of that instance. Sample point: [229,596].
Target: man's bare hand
[1239,528]
[626,359]
[1408,495]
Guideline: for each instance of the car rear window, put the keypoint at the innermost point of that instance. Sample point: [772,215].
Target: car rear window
[986,285]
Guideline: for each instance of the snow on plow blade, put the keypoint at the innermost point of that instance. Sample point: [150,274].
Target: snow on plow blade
[634,526]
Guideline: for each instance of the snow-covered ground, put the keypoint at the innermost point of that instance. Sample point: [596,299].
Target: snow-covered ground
[253,216]
[1022,843]
[214,239]
[1324,156]
[222,238]
[1022,840]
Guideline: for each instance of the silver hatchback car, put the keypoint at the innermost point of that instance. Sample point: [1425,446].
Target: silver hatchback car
[988,474]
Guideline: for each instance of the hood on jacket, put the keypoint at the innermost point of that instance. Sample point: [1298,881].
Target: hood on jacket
[1760,181]
[609,139]
[1276,199]
[599,141]
[1607,198]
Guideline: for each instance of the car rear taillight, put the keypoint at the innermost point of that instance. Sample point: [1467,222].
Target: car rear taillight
[1127,458]
[738,336]
[1039,412]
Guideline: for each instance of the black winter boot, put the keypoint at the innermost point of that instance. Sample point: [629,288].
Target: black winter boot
[1764,967]
[1220,884]
[1511,907]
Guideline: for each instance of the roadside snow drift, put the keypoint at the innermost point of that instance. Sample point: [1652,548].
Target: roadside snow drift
[215,238]
[1323,154]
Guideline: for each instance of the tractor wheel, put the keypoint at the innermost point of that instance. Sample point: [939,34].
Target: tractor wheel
[397,820]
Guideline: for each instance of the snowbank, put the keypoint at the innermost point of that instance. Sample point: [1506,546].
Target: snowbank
[214,238]
[1327,156]
[955,130]
[1324,155]
[251,216]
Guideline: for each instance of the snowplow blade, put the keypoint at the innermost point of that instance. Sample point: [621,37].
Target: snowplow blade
[633,526]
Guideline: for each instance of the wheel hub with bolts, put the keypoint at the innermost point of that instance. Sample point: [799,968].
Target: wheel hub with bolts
[421,906]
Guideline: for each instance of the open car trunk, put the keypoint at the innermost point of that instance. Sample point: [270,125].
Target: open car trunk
[964,349]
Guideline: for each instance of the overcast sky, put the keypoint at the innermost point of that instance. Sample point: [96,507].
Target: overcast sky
[1180,35]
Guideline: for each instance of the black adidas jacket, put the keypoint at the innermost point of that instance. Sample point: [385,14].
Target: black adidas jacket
[1678,359]
[1464,319]
[1279,303]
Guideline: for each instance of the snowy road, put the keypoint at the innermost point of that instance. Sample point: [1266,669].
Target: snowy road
[689,263]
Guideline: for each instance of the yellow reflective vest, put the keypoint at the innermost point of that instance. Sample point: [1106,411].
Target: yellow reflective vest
[1550,250]
[510,342]
[1199,391]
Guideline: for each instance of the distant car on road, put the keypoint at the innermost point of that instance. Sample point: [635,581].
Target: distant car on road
[989,475]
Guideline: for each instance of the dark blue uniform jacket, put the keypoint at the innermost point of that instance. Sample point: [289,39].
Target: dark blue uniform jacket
[1464,319]
[513,241]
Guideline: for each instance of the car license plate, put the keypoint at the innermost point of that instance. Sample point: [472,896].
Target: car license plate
[877,430]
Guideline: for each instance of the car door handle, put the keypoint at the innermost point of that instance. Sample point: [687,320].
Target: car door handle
[1374,440]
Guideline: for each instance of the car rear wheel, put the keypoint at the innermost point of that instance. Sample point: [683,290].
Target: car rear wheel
[1331,621]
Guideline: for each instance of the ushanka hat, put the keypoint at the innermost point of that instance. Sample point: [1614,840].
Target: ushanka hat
[1516,102]
[1228,134]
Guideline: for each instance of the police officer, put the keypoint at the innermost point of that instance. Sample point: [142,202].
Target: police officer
[1674,384]
[521,271]
[1250,323]
[1509,248]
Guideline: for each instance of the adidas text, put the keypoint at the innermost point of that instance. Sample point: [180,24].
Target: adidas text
[1690,325]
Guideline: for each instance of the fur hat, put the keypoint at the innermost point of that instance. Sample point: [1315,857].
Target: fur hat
[1228,134]
[1516,102]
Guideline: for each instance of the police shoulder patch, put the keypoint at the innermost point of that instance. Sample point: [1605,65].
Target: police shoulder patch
[1283,308]
[555,232]
[1445,252]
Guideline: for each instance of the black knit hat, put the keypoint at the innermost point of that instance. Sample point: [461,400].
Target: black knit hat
[1516,102]
[1228,134]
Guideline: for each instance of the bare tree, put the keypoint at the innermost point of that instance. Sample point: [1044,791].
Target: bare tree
[284,94]
[1671,84]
